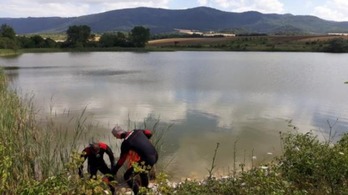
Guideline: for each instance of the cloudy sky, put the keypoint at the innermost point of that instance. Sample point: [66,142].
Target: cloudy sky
[326,9]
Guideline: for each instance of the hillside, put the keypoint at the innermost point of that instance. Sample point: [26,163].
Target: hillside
[166,21]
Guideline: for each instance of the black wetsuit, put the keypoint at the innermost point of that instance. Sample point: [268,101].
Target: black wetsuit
[96,161]
[137,141]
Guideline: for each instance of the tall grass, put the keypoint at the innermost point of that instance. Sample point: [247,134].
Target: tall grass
[42,156]
[18,140]
[32,155]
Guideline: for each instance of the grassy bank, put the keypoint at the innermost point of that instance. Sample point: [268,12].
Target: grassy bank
[41,158]
[8,52]
[37,158]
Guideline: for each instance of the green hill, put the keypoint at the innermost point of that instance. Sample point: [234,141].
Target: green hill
[166,21]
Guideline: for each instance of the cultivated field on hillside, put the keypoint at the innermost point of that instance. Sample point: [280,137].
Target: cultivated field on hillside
[250,43]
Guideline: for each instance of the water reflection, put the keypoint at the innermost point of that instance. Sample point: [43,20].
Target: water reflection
[107,72]
[211,97]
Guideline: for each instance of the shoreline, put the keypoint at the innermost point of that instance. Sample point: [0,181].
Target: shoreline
[276,43]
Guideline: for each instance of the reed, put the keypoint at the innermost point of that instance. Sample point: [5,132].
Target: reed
[30,151]
[41,155]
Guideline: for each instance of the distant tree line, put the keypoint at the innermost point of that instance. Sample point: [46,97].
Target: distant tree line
[78,36]
[337,45]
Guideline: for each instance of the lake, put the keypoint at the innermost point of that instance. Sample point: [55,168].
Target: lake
[231,98]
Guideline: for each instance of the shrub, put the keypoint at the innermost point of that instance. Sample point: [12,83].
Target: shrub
[313,165]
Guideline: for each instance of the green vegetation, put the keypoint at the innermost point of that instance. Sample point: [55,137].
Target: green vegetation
[42,159]
[36,41]
[38,159]
[307,166]
[139,36]
[267,44]
[80,38]
[113,40]
[338,45]
[8,52]
[332,44]
[8,38]
[77,37]
[7,31]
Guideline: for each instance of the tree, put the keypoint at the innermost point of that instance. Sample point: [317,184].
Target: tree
[26,42]
[78,35]
[50,43]
[107,40]
[36,41]
[39,42]
[7,43]
[113,40]
[139,36]
[7,37]
[7,31]
[121,40]
[337,45]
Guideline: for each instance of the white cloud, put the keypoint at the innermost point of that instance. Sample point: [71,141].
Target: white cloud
[224,3]
[264,6]
[67,8]
[202,2]
[333,10]
[111,5]
[327,9]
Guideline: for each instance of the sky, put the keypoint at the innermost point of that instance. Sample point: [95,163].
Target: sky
[336,10]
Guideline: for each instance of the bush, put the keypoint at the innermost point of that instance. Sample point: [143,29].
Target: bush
[7,43]
[337,45]
[313,165]
[307,166]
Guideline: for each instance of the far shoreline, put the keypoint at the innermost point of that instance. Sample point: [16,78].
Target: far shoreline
[309,43]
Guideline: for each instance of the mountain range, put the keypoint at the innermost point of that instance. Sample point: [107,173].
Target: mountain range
[166,21]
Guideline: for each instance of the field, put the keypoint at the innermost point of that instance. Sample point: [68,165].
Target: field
[249,43]
[188,41]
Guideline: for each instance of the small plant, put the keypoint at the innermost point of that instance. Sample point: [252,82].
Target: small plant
[163,184]
[210,171]
[67,182]
[315,166]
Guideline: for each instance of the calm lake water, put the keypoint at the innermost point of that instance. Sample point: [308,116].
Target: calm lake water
[209,97]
